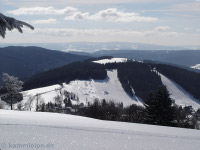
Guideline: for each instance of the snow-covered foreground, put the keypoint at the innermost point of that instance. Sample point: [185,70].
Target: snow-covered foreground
[87,90]
[180,96]
[68,132]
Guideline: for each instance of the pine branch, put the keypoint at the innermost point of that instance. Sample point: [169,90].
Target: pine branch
[8,23]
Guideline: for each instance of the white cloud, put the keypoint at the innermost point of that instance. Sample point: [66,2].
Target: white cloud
[188,29]
[198,30]
[43,11]
[162,28]
[111,14]
[48,21]
[78,16]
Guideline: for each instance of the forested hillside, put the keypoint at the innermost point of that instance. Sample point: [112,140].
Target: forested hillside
[179,57]
[136,78]
[67,73]
[132,75]
[25,62]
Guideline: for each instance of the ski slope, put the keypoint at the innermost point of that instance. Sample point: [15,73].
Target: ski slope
[109,89]
[68,132]
[87,91]
[181,97]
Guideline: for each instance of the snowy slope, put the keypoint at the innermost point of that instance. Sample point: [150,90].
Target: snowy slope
[47,94]
[68,132]
[180,96]
[112,60]
[110,89]
[197,66]
[87,90]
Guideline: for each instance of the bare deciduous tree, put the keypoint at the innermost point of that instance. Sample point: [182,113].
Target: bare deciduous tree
[29,103]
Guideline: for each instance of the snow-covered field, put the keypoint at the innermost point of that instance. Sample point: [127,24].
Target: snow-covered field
[197,66]
[32,130]
[180,96]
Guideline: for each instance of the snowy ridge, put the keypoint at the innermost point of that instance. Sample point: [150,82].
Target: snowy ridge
[87,91]
[112,60]
[197,66]
[74,132]
[181,97]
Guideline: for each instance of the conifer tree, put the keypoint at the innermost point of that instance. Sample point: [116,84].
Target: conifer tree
[159,109]
[9,23]
[13,88]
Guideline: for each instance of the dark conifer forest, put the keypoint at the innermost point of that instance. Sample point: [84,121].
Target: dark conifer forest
[73,71]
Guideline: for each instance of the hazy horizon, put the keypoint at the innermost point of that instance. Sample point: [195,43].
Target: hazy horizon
[159,22]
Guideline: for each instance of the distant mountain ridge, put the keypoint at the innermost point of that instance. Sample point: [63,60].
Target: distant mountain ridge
[25,62]
[186,58]
[90,47]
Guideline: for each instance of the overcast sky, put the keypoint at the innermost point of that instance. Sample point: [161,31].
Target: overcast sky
[161,22]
